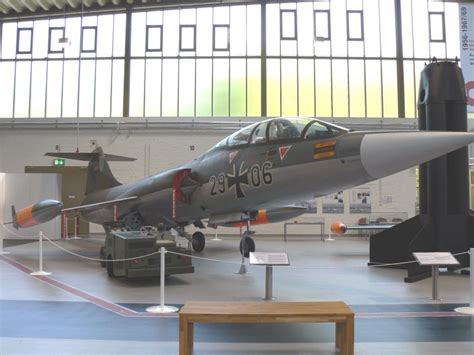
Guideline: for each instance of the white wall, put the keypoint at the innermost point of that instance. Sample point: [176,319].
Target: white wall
[169,148]
[22,190]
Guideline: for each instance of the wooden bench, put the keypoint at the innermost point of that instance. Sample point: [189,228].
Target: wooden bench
[267,312]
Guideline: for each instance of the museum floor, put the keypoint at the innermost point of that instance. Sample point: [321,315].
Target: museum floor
[79,310]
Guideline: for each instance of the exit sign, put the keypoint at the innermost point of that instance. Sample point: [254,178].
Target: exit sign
[59,162]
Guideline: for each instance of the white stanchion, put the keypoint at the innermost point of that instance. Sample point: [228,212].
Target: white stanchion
[2,251]
[329,238]
[41,272]
[216,239]
[162,308]
[470,309]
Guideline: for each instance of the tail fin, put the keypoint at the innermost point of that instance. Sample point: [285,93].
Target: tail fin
[99,175]
[15,224]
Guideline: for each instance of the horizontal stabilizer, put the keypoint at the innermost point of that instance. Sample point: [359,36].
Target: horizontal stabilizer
[95,206]
[88,156]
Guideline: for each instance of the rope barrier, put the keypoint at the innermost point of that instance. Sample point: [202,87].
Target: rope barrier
[220,261]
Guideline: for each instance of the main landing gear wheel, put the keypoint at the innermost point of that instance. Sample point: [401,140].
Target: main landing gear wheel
[198,241]
[247,246]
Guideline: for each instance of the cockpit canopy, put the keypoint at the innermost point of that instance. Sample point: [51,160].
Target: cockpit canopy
[283,129]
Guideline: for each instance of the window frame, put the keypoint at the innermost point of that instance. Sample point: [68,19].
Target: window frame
[443,21]
[18,30]
[328,14]
[50,31]
[361,13]
[95,39]
[295,25]
[181,49]
[147,46]
[214,27]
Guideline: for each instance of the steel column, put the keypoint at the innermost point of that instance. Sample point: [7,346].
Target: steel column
[263,60]
[400,70]
[126,79]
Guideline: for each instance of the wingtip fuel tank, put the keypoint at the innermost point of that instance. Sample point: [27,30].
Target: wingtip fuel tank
[32,215]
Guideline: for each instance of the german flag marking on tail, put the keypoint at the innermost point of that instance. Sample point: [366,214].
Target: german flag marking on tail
[325,150]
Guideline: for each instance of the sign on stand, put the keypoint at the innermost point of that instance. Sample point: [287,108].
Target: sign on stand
[466,28]
[435,260]
[269,260]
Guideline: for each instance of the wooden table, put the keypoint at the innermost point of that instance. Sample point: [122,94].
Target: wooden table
[267,312]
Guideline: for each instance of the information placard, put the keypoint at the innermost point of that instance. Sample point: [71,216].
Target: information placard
[277,259]
[428,259]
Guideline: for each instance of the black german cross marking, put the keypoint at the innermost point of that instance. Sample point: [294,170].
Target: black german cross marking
[238,179]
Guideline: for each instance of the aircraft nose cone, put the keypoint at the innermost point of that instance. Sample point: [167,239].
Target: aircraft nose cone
[384,154]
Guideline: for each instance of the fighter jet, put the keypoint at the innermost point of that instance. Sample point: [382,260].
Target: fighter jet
[256,175]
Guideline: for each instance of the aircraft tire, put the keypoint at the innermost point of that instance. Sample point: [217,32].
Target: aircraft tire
[198,242]
[110,267]
[247,247]
[102,256]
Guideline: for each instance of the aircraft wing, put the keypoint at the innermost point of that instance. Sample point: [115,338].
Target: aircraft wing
[98,205]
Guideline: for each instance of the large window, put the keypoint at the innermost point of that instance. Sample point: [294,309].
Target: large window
[334,58]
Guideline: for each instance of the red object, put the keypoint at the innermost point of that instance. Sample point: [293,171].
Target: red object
[65,226]
[469,87]
[177,193]
[338,228]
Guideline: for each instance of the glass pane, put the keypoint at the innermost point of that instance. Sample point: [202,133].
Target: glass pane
[86,92]
[40,39]
[154,39]
[171,32]
[238,33]
[117,88]
[24,40]
[241,137]
[22,89]
[153,88]
[89,39]
[390,101]
[238,93]
[317,131]
[119,35]
[138,34]
[137,85]
[452,30]
[204,31]
[221,87]
[436,26]
[56,34]
[221,37]
[254,30]
[407,30]
[54,93]
[259,135]
[273,87]
[204,87]
[340,89]
[374,88]
[355,25]
[38,89]
[9,40]
[323,87]
[289,88]
[104,36]
[305,29]
[283,128]
[272,29]
[420,29]
[321,20]
[254,87]
[410,99]
[170,88]
[187,38]
[73,33]
[306,87]
[357,89]
[338,28]
[70,88]
[387,23]
[288,24]
[103,88]
[186,87]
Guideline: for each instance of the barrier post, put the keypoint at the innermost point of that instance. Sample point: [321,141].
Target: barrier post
[162,308]
[216,238]
[2,252]
[41,272]
[470,309]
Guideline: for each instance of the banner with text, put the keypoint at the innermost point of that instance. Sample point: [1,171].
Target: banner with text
[466,17]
